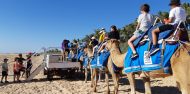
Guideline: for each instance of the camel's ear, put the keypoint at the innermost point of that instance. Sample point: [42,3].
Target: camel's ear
[119,41]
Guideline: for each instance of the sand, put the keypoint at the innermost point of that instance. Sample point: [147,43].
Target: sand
[40,85]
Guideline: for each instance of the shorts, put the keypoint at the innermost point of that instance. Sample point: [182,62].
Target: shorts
[166,27]
[138,34]
[16,73]
[21,70]
[4,73]
[62,50]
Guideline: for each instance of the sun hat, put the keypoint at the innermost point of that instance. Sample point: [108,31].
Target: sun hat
[93,38]
[5,59]
[29,53]
[174,2]
[102,30]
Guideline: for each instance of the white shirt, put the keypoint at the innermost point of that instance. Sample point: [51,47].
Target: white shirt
[146,21]
[179,15]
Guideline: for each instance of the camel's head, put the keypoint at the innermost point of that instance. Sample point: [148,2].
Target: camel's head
[85,49]
[112,44]
[89,47]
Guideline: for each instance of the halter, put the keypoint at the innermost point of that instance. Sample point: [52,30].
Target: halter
[113,49]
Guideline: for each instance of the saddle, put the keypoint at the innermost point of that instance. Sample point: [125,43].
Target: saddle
[179,32]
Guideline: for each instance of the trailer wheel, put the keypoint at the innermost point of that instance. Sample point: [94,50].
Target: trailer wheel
[49,75]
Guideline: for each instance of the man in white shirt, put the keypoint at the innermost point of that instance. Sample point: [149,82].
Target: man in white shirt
[176,15]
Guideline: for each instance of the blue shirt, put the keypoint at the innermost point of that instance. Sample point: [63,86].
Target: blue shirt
[5,65]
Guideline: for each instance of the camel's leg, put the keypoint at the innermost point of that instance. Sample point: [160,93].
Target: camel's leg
[86,74]
[92,77]
[116,84]
[107,82]
[147,85]
[131,78]
[96,79]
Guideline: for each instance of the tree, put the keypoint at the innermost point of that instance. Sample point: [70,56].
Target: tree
[186,7]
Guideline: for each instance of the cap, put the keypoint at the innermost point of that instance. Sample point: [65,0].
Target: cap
[20,54]
[93,38]
[30,53]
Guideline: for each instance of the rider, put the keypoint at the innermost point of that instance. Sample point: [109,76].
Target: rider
[145,21]
[101,39]
[176,15]
[102,36]
[75,43]
[114,34]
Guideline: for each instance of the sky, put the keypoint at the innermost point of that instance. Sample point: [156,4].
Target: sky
[28,25]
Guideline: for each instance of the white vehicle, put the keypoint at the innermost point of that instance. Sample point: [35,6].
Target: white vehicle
[52,64]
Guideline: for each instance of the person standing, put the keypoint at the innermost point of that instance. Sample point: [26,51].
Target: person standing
[63,46]
[20,60]
[4,70]
[15,69]
[29,66]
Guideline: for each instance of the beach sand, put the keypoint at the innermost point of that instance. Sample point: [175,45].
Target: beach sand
[40,85]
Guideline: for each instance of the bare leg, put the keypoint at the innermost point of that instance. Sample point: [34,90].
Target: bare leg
[94,50]
[154,37]
[2,78]
[14,77]
[23,73]
[18,77]
[130,42]
[6,78]
[102,47]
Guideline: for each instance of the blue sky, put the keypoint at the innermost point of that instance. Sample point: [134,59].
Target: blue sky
[27,25]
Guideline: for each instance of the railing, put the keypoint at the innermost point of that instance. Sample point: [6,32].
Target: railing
[158,18]
[44,54]
[48,49]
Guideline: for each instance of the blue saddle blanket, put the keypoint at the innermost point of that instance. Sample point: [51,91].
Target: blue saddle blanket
[161,35]
[152,63]
[80,54]
[100,61]
[85,61]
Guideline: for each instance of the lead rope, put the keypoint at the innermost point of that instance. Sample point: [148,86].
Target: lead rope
[182,47]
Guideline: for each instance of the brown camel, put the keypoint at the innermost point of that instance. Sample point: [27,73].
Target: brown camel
[108,69]
[179,62]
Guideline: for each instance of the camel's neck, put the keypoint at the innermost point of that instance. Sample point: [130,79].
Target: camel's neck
[89,52]
[118,58]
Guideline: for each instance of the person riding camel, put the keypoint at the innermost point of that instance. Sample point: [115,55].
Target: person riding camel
[145,21]
[102,36]
[114,34]
[101,39]
[176,15]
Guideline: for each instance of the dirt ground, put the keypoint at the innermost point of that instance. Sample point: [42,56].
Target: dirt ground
[40,85]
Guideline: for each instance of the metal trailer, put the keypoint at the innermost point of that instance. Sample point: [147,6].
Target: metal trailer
[53,66]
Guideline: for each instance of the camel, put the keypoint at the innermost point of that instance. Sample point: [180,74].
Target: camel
[94,73]
[180,67]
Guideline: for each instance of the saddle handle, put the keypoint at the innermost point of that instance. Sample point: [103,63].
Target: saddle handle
[157,18]
[178,26]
